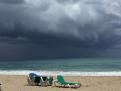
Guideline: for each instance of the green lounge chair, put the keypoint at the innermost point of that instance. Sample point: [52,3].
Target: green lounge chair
[62,83]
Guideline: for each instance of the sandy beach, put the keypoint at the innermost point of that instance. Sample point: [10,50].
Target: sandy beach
[19,83]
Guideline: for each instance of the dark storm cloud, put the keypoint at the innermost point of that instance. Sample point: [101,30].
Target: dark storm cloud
[12,1]
[64,28]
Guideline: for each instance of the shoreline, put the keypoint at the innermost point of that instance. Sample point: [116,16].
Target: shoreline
[89,83]
[54,73]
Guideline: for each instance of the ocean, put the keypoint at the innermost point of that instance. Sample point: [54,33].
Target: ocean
[70,67]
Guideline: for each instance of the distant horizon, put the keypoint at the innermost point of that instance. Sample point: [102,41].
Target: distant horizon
[49,59]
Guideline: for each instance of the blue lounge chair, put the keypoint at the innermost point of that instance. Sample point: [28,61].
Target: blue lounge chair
[33,79]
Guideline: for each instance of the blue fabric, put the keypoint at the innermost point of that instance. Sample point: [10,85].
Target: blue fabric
[33,75]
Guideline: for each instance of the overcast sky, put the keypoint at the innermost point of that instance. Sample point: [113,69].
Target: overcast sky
[37,29]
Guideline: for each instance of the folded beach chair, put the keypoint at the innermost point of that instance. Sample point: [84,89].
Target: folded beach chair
[33,79]
[62,83]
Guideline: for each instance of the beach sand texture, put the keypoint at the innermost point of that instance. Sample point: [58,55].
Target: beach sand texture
[19,83]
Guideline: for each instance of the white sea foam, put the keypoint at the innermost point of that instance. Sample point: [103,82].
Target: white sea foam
[54,73]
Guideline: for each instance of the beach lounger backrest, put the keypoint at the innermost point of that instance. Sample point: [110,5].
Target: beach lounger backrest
[60,79]
[34,77]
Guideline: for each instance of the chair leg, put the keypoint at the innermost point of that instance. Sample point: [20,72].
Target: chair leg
[0,87]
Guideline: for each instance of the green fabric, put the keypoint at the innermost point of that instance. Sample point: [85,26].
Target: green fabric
[50,79]
[62,81]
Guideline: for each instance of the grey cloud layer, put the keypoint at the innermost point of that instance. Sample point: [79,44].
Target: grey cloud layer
[12,1]
[62,16]
[94,23]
